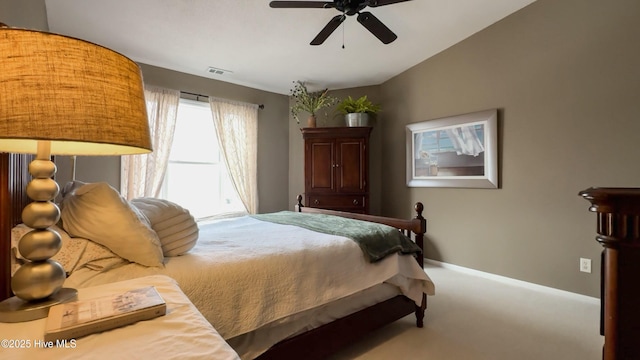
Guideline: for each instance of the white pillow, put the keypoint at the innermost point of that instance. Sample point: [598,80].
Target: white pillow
[175,226]
[97,212]
[68,256]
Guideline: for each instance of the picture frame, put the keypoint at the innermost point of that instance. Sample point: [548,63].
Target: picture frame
[456,151]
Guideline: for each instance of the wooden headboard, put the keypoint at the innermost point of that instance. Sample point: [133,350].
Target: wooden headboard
[14,177]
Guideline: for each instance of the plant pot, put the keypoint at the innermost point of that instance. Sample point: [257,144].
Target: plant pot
[311,121]
[356,119]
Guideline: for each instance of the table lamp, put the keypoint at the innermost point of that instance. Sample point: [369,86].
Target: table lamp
[60,96]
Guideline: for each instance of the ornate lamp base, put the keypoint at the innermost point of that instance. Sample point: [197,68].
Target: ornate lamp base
[38,283]
[14,309]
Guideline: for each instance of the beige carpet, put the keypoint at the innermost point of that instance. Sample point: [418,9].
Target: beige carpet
[476,318]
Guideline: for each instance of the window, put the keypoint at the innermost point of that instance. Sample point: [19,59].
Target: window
[196,175]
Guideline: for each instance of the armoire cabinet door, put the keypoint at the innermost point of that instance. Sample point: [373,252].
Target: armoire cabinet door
[320,157]
[350,165]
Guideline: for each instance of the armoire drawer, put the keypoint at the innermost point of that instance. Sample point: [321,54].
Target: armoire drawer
[336,201]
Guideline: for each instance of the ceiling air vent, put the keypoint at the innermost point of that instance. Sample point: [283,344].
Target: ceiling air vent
[218,71]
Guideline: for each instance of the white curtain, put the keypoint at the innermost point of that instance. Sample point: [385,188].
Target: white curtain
[465,140]
[142,175]
[236,125]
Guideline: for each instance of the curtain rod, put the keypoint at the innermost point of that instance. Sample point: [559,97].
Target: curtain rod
[261,106]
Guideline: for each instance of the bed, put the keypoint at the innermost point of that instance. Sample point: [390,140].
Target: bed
[305,330]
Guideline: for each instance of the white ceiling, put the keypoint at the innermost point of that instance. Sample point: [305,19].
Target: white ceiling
[269,48]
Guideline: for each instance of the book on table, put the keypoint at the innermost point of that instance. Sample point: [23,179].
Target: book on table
[83,317]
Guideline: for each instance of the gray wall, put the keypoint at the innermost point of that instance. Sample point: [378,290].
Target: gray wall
[565,77]
[28,14]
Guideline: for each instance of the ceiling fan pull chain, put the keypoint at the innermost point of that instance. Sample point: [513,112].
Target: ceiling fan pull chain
[343,35]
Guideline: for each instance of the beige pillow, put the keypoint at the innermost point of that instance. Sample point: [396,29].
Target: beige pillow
[97,212]
[175,226]
[68,256]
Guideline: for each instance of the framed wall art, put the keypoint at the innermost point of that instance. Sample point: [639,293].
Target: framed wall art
[457,151]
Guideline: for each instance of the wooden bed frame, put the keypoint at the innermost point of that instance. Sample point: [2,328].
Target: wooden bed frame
[314,344]
[329,338]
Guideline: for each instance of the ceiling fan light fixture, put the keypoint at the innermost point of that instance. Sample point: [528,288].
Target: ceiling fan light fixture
[347,8]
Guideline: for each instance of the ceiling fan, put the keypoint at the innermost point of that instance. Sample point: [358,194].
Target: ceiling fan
[347,8]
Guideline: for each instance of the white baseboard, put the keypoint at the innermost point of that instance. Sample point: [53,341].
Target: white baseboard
[512,281]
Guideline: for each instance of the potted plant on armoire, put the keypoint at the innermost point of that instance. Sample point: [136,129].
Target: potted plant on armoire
[357,111]
[309,102]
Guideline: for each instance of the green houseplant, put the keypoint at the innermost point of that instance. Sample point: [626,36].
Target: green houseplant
[359,105]
[310,102]
[357,111]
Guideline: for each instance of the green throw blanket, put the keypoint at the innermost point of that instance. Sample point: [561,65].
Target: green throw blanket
[375,240]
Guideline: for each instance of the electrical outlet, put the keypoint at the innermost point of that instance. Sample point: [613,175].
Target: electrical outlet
[585,265]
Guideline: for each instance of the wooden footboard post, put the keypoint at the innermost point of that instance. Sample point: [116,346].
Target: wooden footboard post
[419,238]
[420,310]
[420,230]
[299,206]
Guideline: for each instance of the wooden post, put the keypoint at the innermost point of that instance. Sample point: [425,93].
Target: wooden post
[618,228]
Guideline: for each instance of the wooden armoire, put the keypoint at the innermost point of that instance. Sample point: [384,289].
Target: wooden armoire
[336,168]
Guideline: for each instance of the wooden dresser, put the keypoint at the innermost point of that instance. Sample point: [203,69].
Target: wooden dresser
[618,227]
[336,174]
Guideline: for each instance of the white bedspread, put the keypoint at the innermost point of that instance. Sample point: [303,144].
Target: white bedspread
[180,334]
[245,273]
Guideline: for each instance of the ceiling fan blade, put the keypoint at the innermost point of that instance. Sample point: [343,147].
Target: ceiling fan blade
[376,3]
[301,4]
[376,27]
[328,29]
